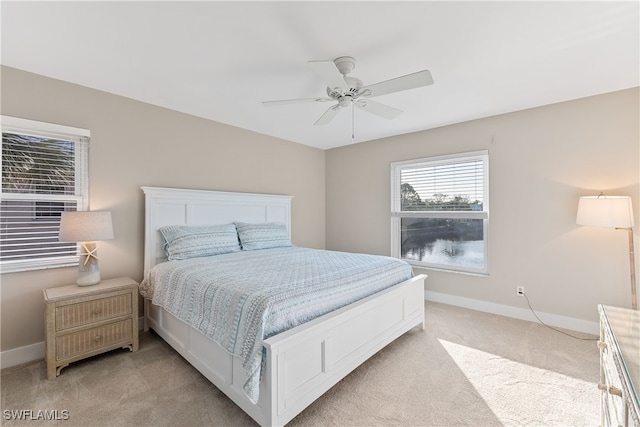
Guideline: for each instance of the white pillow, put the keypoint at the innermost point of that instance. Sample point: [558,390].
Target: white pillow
[190,241]
[263,235]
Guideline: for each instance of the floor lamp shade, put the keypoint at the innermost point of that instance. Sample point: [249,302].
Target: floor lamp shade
[605,211]
[86,227]
[611,212]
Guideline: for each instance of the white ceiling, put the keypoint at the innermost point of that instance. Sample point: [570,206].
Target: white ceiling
[220,60]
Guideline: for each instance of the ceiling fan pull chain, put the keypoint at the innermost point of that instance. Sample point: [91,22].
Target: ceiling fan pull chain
[353,123]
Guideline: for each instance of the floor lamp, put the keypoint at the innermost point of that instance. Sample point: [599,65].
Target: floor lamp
[611,212]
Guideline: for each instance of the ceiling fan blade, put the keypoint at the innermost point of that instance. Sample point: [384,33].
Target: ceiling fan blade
[295,101]
[328,115]
[328,71]
[377,108]
[410,81]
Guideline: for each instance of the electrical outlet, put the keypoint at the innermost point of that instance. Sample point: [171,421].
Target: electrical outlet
[520,291]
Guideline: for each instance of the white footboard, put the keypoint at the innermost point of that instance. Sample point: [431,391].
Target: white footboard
[306,361]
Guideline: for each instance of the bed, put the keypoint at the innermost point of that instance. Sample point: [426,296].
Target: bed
[299,364]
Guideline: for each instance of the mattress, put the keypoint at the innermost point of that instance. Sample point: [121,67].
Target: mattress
[240,299]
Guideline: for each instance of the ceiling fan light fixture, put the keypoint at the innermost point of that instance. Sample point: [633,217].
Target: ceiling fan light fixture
[345,101]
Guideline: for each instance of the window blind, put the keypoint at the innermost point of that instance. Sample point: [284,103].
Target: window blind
[30,230]
[448,186]
[42,176]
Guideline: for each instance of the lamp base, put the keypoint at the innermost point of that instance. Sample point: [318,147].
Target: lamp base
[88,268]
[88,278]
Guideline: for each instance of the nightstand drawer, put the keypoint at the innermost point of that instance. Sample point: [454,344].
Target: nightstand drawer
[89,340]
[73,315]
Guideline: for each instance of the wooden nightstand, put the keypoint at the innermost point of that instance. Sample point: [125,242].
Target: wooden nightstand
[84,321]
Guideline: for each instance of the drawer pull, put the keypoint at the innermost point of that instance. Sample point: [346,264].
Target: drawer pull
[615,391]
[97,338]
[611,389]
[97,311]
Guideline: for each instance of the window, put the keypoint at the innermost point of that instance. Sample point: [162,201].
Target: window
[440,211]
[44,172]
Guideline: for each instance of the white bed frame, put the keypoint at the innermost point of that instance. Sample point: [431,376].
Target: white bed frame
[301,363]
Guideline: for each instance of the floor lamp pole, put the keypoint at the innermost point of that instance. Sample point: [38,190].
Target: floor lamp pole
[632,266]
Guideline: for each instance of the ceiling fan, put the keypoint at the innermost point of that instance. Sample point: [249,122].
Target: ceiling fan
[350,91]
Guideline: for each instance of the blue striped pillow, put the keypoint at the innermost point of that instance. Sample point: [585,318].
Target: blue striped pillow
[263,235]
[186,241]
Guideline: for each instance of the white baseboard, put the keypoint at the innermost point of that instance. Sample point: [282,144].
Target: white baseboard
[17,356]
[515,312]
[32,352]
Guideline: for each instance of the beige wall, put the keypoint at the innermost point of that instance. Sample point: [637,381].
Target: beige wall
[541,161]
[135,144]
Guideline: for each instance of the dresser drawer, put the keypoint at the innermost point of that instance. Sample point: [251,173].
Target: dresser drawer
[73,315]
[89,340]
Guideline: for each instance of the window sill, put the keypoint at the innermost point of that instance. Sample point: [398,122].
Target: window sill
[447,270]
[20,266]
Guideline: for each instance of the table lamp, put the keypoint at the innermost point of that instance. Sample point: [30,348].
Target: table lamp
[86,227]
[611,212]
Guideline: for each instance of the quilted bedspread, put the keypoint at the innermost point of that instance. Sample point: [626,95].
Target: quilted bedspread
[239,299]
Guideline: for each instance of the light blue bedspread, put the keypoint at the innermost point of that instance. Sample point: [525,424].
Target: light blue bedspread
[241,298]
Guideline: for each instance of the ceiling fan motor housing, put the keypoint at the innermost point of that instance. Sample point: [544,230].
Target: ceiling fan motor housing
[345,98]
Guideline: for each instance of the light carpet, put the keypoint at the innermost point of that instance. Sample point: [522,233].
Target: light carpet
[467,368]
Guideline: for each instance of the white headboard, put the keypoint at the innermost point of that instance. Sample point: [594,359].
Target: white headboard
[175,206]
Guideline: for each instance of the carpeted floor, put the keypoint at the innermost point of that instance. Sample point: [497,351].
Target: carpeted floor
[466,369]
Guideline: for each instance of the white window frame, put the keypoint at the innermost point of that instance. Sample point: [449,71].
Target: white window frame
[397,214]
[80,137]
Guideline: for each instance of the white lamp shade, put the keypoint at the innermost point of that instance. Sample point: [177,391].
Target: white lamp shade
[86,226]
[605,211]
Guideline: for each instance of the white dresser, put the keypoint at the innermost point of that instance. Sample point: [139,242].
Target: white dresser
[619,366]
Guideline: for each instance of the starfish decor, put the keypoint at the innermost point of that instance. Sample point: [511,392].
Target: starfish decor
[89,253]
